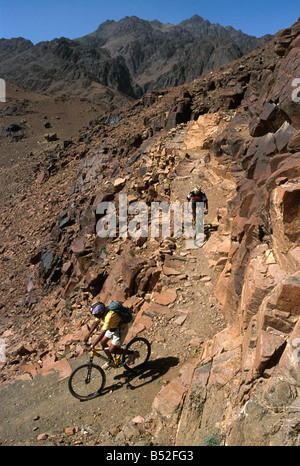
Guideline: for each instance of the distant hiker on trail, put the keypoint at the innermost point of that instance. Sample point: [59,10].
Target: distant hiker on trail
[197,195]
[115,319]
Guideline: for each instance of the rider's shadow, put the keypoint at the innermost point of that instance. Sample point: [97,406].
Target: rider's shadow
[146,374]
[208,229]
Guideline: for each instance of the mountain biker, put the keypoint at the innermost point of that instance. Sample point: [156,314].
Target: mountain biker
[197,195]
[112,329]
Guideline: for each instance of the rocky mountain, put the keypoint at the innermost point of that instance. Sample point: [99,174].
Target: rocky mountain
[223,319]
[162,55]
[132,56]
[61,67]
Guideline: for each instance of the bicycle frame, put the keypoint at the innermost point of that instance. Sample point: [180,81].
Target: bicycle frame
[116,358]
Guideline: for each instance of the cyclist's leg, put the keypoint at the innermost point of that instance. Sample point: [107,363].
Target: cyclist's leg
[116,349]
[117,341]
[118,337]
[104,344]
[194,204]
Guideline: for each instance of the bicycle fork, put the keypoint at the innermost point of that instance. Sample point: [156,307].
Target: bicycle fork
[89,372]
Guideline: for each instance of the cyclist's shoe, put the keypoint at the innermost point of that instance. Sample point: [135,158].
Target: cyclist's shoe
[108,365]
[132,357]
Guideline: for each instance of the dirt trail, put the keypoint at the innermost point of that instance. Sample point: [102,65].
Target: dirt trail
[30,408]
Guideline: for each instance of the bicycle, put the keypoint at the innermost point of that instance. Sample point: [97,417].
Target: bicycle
[88,380]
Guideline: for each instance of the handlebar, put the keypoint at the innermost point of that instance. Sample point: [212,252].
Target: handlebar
[92,347]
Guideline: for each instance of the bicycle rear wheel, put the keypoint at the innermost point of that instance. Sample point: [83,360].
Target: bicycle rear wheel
[86,381]
[141,345]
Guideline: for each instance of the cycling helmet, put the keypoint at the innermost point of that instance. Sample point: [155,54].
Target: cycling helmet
[97,309]
[197,190]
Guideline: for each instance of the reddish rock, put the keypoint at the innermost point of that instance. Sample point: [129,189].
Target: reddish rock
[30,368]
[288,366]
[259,279]
[42,436]
[158,309]
[225,367]
[149,279]
[169,271]
[69,431]
[167,296]
[168,402]
[268,121]
[67,339]
[294,255]
[140,323]
[289,168]
[71,285]
[268,345]
[286,296]
[62,366]
[188,432]
[40,177]
[284,210]
[94,279]
[109,286]
[79,246]
[131,266]
[21,349]
[84,262]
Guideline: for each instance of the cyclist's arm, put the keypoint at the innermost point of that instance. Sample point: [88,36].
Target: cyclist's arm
[99,338]
[106,325]
[205,200]
[94,326]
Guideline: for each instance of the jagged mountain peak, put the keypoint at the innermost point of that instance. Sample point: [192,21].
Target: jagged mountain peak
[195,19]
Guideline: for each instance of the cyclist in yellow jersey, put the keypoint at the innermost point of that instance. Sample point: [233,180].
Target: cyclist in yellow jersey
[113,330]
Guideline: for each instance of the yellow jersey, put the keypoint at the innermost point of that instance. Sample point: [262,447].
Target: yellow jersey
[111,320]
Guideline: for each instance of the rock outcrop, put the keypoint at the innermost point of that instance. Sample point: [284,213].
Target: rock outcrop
[245,386]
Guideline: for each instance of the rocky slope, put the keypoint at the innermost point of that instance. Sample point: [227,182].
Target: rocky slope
[132,56]
[228,311]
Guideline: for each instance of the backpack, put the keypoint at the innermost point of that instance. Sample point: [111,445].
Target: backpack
[124,312]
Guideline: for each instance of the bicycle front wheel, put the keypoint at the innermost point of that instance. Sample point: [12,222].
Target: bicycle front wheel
[86,381]
[141,345]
